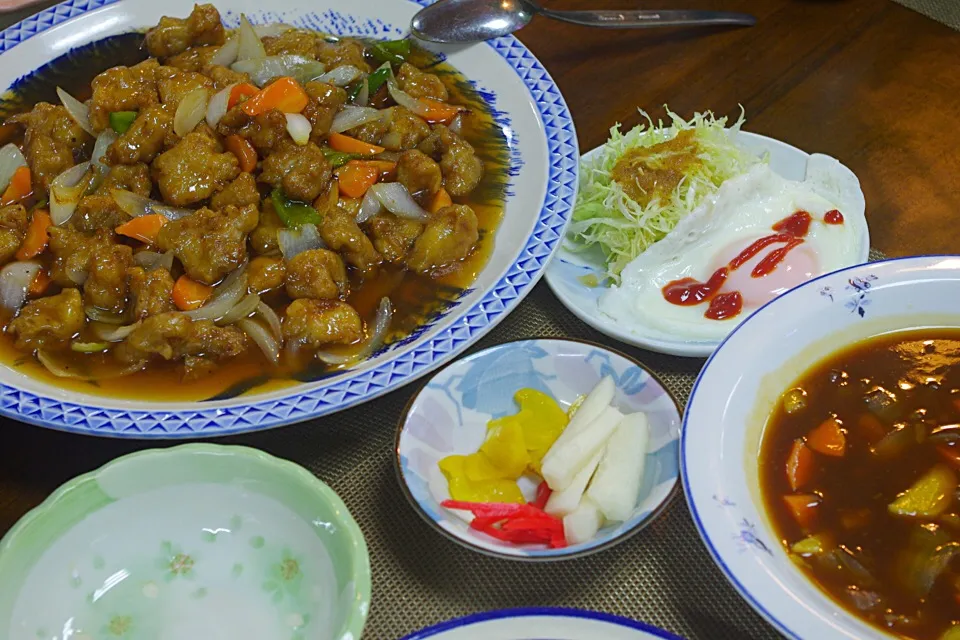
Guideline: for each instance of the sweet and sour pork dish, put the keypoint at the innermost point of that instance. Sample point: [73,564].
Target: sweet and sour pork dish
[271,197]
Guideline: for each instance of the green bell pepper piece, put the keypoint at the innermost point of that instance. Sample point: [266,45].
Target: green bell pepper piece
[293,213]
[120,121]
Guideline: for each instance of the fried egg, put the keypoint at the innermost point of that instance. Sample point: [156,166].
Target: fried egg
[744,210]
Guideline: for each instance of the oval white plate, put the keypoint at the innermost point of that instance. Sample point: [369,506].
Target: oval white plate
[737,390]
[450,413]
[541,190]
[545,623]
[565,271]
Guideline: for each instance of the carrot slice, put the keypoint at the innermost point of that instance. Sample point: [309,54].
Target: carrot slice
[799,465]
[440,200]
[828,439]
[355,177]
[19,188]
[41,282]
[435,111]
[35,242]
[189,294]
[284,94]
[244,151]
[244,90]
[346,144]
[803,508]
[871,428]
[143,228]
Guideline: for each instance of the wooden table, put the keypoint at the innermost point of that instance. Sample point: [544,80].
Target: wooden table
[867,81]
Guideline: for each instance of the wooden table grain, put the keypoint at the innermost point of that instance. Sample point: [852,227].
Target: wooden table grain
[867,81]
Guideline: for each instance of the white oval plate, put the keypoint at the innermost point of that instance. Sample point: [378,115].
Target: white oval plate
[540,194]
[542,623]
[565,271]
[736,392]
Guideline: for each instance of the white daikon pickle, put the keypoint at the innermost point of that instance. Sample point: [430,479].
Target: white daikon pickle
[563,502]
[581,525]
[589,410]
[616,484]
[566,459]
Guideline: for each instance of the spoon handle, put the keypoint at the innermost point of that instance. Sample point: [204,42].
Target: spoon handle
[616,19]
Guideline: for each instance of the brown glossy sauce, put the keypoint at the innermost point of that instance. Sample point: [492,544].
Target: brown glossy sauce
[895,398]
[650,173]
[416,299]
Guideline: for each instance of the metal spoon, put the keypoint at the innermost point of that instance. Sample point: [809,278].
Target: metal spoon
[475,20]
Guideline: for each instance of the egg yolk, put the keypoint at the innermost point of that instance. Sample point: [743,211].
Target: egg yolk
[514,445]
[798,266]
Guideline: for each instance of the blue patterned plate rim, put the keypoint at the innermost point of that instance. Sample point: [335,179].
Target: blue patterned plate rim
[637,527]
[357,387]
[527,612]
[688,496]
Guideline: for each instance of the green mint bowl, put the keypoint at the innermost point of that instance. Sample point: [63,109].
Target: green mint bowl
[195,541]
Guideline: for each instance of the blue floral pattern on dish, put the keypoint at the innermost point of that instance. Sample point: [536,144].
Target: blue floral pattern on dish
[859,298]
[451,412]
[747,537]
[473,317]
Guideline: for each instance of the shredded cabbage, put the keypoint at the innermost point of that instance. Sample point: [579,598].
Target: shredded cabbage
[606,216]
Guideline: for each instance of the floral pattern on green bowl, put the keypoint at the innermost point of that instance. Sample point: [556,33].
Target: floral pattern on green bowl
[198,541]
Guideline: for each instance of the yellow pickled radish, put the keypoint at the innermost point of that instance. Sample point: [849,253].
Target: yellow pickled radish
[463,488]
[506,448]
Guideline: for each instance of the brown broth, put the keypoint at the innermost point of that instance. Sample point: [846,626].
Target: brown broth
[417,299]
[921,369]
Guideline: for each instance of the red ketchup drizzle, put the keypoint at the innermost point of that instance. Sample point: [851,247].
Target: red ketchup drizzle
[689,292]
[725,305]
[833,217]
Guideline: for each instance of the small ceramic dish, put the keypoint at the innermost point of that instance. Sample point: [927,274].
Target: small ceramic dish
[571,275]
[197,541]
[542,622]
[737,391]
[449,415]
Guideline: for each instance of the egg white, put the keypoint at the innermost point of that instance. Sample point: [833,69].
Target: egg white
[742,210]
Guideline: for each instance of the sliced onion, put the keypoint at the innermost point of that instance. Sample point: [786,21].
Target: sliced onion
[350,117]
[77,276]
[456,125]
[244,308]
[363,96]
[225,297]
[15,279]
[296,241]
[110,333]
[62,370]
[270,317]
[190,111]
[89,347]
[404,99]
[369,207]
[261,335]
[11,159]
[217,107]
[262,70]
[299,128]
[151,260]
[77,110]
[341,76]
[136,205]
[381,323]
[106,317]
[272,30]
[66,191]
[227,54]
[250,47]
[397,200]
[104,140]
